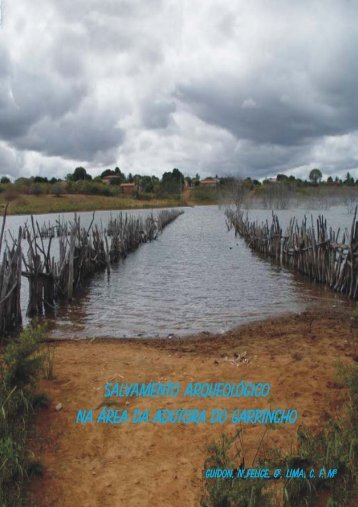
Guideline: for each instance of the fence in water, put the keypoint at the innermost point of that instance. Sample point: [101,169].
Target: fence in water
[10,282]
[313,249]
[82,251]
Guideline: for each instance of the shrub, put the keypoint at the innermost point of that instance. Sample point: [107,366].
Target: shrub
[204,195]
[10,194]
[57,190]
[23,359]
[232,492]
[19,368]
[35,190]
[335,446]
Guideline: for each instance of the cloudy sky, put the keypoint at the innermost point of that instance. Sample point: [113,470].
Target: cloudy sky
[238,87]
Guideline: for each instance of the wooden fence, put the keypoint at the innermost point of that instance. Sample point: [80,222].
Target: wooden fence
[82,251]
[313,249]
[10,282]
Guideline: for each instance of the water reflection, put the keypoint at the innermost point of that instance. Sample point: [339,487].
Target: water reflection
[196,277]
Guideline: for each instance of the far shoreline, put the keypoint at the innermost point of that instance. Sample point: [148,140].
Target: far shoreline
[69,203]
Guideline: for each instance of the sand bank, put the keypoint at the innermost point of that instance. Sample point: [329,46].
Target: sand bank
[154,465]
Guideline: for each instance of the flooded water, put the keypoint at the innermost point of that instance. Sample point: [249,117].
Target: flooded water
[196,277]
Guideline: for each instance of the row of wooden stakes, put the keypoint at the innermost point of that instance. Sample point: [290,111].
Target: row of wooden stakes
[55,274]
[313,249]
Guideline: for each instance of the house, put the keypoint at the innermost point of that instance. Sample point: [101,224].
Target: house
[128,188]
[209,182]
[110,179]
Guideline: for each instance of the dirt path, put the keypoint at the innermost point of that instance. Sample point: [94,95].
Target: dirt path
[154,465]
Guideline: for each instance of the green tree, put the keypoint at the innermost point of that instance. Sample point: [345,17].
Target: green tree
[80,173]
[173,182]
[349,180]
[315,176]
[146,184]
[40,179]
[4,180]
[107,172]
[196,180]
[281,177]
[119,173]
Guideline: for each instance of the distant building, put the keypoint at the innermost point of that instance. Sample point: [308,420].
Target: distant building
[128,188]
[109,179]
[209,182]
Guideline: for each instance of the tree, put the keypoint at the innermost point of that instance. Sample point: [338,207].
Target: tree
[4,180]
[349,180]
[120,177]
[173,182]
[196,180]
[80,173]
[315,176]
[107,172]
[119,173]
[137,178]
[178,176]
[281,177]
[188,181]
[40,179]
[146,184]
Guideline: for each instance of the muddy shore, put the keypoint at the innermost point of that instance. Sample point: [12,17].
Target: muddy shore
[154,465]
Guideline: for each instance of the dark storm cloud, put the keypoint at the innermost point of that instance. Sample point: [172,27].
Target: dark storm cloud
[269,116]
[217,87]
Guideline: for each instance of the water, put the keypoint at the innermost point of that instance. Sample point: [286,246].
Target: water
[196,277]
[14,222]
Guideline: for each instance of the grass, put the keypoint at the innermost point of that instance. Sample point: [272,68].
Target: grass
[20,364]
[45,203]
[48,362]
[226,454]
[202,196]
[334,446]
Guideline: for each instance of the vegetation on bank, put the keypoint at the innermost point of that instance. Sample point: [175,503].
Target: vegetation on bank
[114,190]
[21,362]
[23,204]
[271,196]
[335,446]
